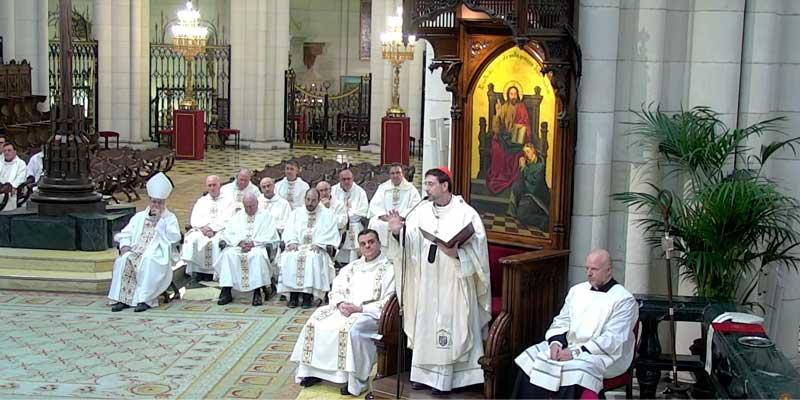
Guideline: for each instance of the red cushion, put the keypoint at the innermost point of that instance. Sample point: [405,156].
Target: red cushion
[228,131]
[497,305]
[166,131]
[107,134]
[616,382]
[496,252]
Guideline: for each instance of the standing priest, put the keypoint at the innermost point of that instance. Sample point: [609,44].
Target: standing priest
[589,340]
[336,343]
[446,290]
[245,264]
[395,194]
[201,244]
[353,200]
[142,271]
[305,265]
[292,187]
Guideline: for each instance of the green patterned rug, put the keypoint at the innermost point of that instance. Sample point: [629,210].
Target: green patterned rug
[70,345]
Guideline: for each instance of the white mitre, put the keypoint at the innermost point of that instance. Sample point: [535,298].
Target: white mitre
[159,186]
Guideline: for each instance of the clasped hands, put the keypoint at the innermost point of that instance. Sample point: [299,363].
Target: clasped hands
[207,232]
[558,353]
[348,308]
[295,246]
[246,245]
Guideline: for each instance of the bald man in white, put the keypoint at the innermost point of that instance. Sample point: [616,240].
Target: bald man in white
[201,244]
[241,185]
[589,340]
[275,205]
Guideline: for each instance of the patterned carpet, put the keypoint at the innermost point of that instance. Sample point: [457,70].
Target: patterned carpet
[58,345]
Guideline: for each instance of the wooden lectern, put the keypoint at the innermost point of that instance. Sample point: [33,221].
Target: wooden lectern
[189,143]
[395,140]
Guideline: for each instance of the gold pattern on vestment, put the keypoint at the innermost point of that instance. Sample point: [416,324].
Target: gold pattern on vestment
[308,344]
[344,336]
[290,190]
[243,267]
[301,258]
[395,198]
[128,285]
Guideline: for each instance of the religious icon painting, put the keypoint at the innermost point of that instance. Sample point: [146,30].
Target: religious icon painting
[513,111]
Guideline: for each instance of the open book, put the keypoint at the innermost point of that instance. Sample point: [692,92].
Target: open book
[457,240]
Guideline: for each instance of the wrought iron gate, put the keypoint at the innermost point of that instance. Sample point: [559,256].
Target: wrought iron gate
[84,77]
[212,84]
[315,118]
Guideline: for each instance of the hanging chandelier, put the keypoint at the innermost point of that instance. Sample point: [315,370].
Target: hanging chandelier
[189,38]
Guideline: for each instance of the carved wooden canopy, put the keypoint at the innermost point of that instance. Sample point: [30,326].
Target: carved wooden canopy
[467,35]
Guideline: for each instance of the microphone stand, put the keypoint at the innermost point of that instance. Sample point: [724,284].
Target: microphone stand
[400,326]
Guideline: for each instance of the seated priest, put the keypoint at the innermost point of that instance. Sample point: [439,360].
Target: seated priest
[235,190]
[245,263]
[395,194]
[305,265]
[201,244]
[143,270]
[12,174]
[590,339]
[336,343]
[275,205]
[292,187]
[35,167]
[339,214]
[353,200]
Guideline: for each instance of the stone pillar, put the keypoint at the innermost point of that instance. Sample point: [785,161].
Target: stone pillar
[102,27]
[598,37]
[260,48]
[7,31]
[411,90]
[437,105]
[23,26]
[140,72]
[41,79]
[381,73]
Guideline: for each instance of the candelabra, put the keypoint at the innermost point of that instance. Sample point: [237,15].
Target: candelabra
[396,51]
[189,39]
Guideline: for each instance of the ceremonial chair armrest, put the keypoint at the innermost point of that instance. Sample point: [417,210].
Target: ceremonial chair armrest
[223,244]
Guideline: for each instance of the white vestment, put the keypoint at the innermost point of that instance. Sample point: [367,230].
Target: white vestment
[600,322]
[293,191]
[390,197]
[246,271]
[13,172]
[35,166]
[447,302]
[231,191]
[309,269]
[340,349]
[142,274]
[356,207]
[278,208]
[199,251]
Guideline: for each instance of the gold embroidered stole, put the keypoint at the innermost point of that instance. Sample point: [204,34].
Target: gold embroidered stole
[308,236]
[243,267]
[128,285]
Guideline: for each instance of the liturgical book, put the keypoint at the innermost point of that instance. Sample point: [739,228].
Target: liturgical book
[457,240]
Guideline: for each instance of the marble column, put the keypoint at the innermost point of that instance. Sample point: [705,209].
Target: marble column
[598,37]
[23,26]
[7,31]
[42,74]
[140,72]
[381,72]
[437,105]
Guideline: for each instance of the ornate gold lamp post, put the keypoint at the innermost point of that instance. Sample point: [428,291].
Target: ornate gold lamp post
[189,39]
[396,51]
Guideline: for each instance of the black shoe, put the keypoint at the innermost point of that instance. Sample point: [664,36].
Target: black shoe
[119,307]
[437,392]
[257,297]
[309,381]
[282,298]
[418,386]
[225,297]
[307,301]
[293,299]
[344,392]
[141,307]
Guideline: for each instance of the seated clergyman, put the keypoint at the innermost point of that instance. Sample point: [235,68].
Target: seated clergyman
[275,205]
[395,194]
[143,270]
[245,264]
[336,343]
[590,339]
[209,216]
[306,267]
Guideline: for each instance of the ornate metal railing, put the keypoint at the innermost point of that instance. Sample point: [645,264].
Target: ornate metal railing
[524,17]
[315,118]
[211,72]
[84,78]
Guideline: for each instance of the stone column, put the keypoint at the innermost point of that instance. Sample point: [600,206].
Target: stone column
[140,72]
[381,73]
[42,74]
[7,31]
[437,105]
[102,27]
[598,37]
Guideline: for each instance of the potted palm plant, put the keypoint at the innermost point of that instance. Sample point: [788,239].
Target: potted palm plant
[728,219]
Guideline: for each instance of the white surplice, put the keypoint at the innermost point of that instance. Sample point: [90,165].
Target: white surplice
[278,208]
[293,191]
[246,271]
[390,197]
[15,173]
[447,302]
[309,269]
[600,322]
[142,274]
[35,166]
[340,349]
[355,207]
[231,191]
[199,251]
